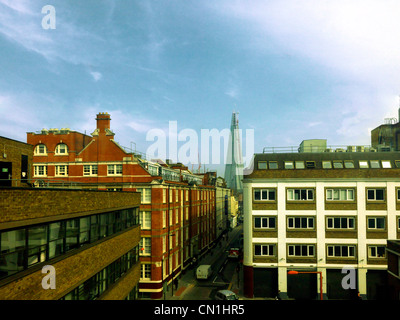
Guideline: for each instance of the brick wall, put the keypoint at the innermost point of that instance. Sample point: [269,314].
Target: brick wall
[18,204]
[11,151]
[74,270]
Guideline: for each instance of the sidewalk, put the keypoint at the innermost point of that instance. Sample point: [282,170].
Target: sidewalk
[187,280]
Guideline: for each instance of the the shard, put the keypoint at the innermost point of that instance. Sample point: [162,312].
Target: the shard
[234,158]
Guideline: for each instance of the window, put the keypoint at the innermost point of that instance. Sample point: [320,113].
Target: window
[90,170]
[145,219]
[376,194]
[326,164]
[397,163]
[61,149]
[340,194]
[340,222]
[299,164]
[264,250]
[338,164]
[264,194]
[300,194]
[61,170]
[84,229]
[386,164]
[145,273]
[40,150]
[164,243]
[265,222]
[40,170]
[12,252]
[164,218]
[145,194]
[145,246]
[262,165]
[375,164]
[56,239]
[300,222]
[273,164]
[37,248]
[376,223]
[349,164]
[289,165]
[344,251]
[363,164]
[301,250]
[376,252]
[310,164]
[114,169]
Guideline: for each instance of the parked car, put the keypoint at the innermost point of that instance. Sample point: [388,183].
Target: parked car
[203,271]
[226,295]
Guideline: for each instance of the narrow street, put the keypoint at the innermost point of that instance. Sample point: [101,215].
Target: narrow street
[190,288]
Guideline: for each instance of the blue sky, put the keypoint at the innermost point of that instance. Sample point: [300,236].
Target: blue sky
[294,70]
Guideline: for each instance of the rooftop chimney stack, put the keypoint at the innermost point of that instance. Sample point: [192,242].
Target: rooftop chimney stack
[103,121]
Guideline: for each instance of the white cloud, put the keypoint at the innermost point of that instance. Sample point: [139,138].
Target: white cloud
[353,36]
[96,75]
[354,43]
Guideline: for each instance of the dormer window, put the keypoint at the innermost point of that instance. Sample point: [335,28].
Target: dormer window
[40,150]
[61,149]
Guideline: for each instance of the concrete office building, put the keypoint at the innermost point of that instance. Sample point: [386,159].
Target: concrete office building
[320,212]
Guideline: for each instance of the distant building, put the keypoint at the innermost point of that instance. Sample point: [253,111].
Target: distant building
[320,212]
[386,137]
[15,157]
[180,212]
[234,159]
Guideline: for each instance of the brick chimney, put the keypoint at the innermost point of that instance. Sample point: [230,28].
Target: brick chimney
[103,121]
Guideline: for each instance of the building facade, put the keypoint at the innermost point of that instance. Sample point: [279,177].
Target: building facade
[15,158]
[90,240]
[323,213]
[178,208]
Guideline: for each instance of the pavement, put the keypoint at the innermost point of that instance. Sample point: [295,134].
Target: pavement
[187,280]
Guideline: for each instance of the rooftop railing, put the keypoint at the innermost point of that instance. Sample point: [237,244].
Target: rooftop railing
[317,148]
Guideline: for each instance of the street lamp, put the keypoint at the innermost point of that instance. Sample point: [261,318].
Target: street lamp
[294,272]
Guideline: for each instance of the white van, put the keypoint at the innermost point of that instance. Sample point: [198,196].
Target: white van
[204,271]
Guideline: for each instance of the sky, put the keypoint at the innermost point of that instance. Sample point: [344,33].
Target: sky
[294,70]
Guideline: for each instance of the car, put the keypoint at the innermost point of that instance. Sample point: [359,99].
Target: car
[226,295]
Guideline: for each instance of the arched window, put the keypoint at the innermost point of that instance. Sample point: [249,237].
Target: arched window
[61,149]
[40,150]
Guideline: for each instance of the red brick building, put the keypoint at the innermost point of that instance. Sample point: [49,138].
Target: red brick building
[177,212]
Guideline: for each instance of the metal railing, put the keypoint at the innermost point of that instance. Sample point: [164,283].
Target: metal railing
[43,183]
[317,148]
